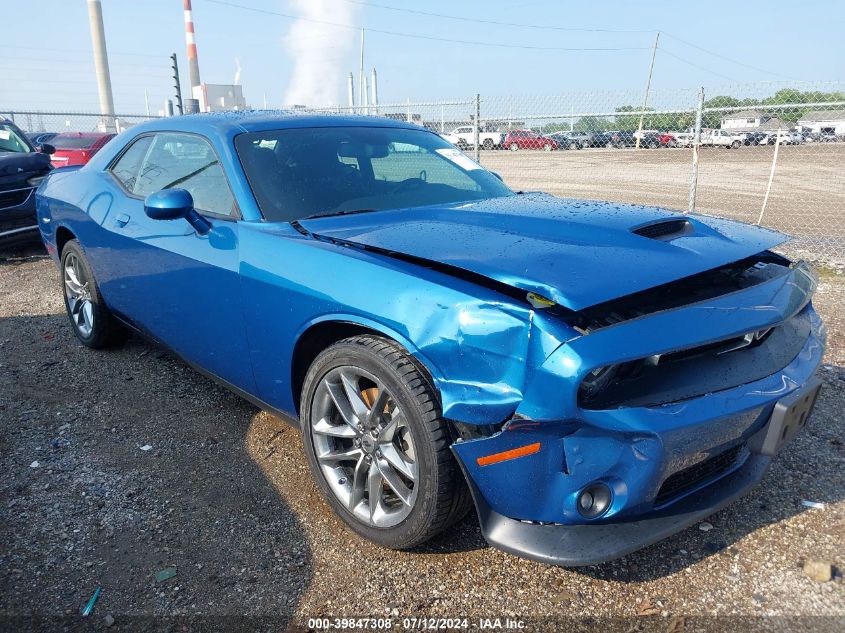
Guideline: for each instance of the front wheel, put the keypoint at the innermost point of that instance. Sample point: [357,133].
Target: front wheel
[514,147]
[547,147]
[91,320]
[487,144]
[735,145]
[377,445]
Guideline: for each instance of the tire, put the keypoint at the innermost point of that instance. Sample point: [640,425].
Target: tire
[92,322]
[487,144]
[735,145]
[422,496]
[547,147]
[574,146]
[462,145]
[513,147]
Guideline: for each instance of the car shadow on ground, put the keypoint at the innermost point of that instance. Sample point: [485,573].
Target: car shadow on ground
[128,472]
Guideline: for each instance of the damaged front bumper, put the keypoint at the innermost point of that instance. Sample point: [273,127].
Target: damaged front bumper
[665,466]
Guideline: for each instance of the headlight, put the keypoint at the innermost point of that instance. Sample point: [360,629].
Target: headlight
[35,181]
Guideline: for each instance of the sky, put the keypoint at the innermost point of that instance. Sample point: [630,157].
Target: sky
[301,51]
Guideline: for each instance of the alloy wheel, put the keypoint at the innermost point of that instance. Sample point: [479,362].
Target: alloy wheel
[78,294]
[364,447]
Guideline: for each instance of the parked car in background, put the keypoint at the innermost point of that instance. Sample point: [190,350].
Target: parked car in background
[594,376]
[464,137]
[667,139]
[567,140]
[684,139]
[622,138]
[77,148]
[723,138]
[22,168]
[528,139]
[754,138]
[602,139]
[38,138]
[653,140]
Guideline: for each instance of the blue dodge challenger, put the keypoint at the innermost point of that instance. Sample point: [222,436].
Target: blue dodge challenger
[593,377]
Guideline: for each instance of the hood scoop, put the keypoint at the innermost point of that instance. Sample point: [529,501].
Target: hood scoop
[665,229]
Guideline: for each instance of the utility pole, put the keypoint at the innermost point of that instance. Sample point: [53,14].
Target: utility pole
[147,102]
[647,88]
[101,62]
[176,84]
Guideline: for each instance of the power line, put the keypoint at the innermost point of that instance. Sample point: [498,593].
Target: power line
[728,59]
[425,37]
[495,22]
[689,63]
[77,50]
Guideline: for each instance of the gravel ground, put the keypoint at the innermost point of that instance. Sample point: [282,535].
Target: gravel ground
[224,495]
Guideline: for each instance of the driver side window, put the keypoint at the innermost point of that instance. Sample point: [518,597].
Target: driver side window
[185,161]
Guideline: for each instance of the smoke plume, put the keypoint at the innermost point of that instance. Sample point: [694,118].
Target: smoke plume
[319,51]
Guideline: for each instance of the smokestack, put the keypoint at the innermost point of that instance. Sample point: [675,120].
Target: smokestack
[362,78]
[193,64]
[351,85]
[101,61]
[374,91]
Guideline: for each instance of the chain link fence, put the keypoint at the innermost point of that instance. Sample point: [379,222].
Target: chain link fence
[35,122]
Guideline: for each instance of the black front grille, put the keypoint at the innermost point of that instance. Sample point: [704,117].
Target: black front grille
[14,197]
[702,472]
[664,230]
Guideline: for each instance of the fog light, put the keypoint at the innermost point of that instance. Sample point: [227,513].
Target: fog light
[594,500]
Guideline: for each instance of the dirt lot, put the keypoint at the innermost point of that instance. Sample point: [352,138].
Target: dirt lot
[807,198]
[225,497]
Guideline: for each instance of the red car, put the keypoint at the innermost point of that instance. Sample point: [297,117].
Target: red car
[526,139]
[77,148]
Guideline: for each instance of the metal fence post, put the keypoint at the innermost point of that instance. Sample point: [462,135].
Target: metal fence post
[696,143]
[771,178]
[477,127]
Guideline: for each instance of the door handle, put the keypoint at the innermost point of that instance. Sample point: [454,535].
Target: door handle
[122,220]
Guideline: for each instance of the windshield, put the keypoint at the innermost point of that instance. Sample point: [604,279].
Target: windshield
[11,140]
[297,173]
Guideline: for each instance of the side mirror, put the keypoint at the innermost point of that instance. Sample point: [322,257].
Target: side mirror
[172,204]
[46,148]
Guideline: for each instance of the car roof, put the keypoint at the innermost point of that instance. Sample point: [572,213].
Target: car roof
[93,135]
[225,123]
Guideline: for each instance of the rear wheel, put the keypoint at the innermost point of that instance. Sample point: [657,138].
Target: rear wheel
[735,145]
[487,144]
[376,443]
[92,321]
[547,147]
[513,147]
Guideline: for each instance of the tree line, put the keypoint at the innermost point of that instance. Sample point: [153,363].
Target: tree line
[791,112]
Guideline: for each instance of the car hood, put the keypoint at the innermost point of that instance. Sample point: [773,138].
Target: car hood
[577,253]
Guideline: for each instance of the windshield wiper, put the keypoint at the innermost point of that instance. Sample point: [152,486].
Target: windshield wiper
[326,214]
